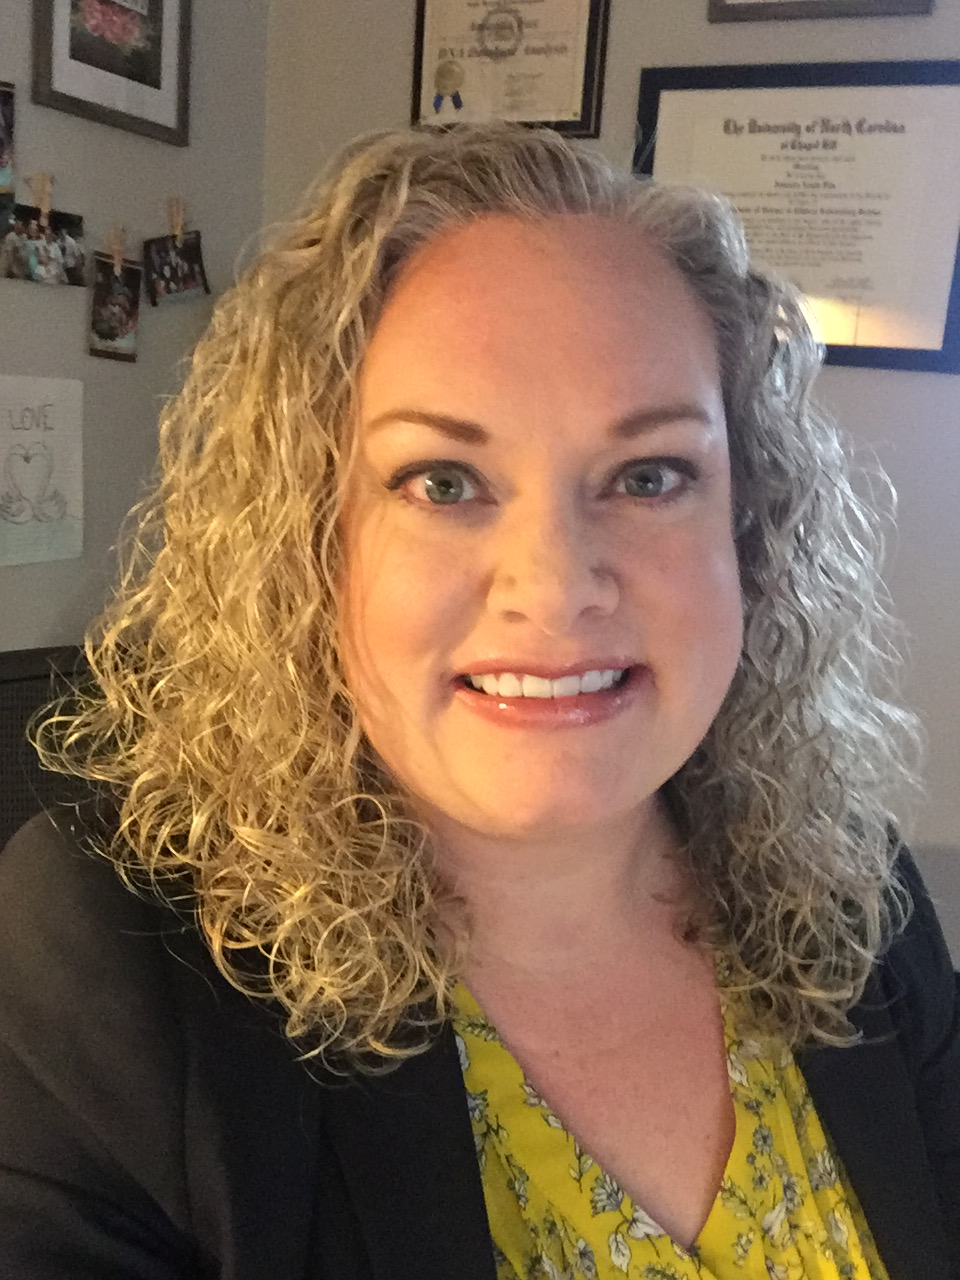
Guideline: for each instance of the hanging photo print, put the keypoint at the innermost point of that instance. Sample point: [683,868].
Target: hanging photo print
[6,138]
[51,254]
[115,308]
[174,271]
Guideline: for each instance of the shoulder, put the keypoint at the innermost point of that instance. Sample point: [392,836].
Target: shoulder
[916,978]
[86,1013]
[79,948]
[137,1062]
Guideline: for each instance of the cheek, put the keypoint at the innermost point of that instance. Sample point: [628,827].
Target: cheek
[716,611]
[406,607]
[695,594]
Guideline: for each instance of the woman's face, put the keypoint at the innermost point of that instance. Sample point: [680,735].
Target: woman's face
[542,494]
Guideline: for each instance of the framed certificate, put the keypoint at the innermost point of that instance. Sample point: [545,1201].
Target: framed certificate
[754,10]
[536,61]
[847,178]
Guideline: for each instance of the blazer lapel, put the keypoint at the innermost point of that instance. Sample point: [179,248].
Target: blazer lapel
[407,1152]
[865,1100]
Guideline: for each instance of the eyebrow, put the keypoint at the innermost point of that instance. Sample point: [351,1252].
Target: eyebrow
[466,432]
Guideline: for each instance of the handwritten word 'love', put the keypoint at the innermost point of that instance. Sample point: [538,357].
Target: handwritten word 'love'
[28,418]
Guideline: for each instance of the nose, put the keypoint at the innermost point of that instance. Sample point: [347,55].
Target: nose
[552,570]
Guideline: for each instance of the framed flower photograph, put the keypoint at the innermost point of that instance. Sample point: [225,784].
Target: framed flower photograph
[124,63]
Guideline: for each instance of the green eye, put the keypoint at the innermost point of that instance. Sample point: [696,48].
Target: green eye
[447,487]
[650,480]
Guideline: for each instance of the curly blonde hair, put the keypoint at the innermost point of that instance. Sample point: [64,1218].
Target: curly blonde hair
[219,716]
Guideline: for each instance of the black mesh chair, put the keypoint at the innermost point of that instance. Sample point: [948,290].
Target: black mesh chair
[29,678]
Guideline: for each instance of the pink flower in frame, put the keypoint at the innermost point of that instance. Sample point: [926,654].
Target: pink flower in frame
[111,22]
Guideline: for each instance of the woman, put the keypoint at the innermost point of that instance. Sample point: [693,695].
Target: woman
[495,688]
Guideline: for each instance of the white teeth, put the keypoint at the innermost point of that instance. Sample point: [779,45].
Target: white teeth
[536,687]
[510,685]
[566,687]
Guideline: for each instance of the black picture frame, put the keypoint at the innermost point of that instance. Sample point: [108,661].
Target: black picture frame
[587,123]
[657,81]
[764,10]
[49,87]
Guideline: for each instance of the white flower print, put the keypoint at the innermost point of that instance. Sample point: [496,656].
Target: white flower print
[822,1171]
[462,1054]
[582,1163]
[477,1104]
[775,1222]
[530,1095]
[837,1228]
[792,1193]
[619,1251]
[762,1140]
[606,1195]
[642,1225]
[585,1261]
[742,1246]
[735,1068]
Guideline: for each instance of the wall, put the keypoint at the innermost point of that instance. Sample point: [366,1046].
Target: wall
[335,71]
[111,176]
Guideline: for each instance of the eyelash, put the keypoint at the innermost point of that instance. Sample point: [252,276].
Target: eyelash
[687,471]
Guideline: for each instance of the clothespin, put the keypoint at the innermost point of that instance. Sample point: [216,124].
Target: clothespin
[41,187]
[176,212]
[115,240]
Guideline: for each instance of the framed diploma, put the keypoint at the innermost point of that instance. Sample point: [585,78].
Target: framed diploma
[754,10]
[536,61]
[847,178]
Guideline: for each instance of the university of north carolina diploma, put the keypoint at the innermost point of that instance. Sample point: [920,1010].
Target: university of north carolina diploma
[853,193]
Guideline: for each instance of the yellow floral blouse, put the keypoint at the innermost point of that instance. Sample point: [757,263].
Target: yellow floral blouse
[785,1210]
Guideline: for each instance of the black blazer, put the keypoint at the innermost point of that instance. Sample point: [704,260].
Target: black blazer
[155,1124]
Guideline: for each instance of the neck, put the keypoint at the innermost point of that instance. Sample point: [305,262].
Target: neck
[558,909]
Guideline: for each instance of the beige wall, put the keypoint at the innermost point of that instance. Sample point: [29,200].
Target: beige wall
[337,70]
[111,176]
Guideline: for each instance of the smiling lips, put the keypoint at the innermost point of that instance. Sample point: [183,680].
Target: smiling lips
[510,685]
[540,702]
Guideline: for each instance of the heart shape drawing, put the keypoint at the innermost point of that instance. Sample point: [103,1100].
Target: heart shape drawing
[28,470]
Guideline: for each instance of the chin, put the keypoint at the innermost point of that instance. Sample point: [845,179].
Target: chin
[551,813]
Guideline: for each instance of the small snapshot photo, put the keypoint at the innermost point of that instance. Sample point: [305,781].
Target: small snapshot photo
[121,37]
[6,138]
[53,254]
[174,272]
[115,308]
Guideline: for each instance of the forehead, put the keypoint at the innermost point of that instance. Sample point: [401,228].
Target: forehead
[552,299]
